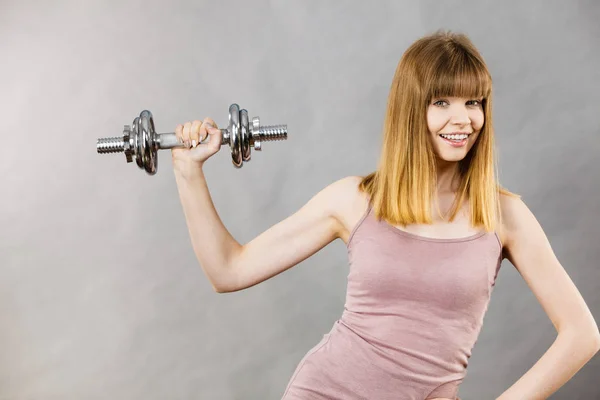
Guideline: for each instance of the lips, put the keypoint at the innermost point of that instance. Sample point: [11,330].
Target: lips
[457,133]
[455,143]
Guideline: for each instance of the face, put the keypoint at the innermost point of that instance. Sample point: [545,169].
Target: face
[454,115]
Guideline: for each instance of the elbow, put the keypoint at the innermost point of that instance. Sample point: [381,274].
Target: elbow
[596,343]
[594,347]
[225,282]
[229,288]
[586,339]
[224,286]
[595,338]
[220,289]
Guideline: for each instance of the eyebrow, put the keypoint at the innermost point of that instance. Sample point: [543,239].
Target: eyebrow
[456,97]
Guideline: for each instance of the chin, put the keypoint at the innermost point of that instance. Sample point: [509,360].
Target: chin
[453,158]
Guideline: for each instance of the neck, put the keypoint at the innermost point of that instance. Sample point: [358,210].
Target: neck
[447,172]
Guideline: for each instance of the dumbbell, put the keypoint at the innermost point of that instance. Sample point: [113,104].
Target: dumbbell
[142,142]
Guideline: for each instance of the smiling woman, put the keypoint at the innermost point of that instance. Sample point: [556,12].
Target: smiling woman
[419,282]
[420,279]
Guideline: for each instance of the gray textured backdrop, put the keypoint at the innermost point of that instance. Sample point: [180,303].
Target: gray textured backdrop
[101,296]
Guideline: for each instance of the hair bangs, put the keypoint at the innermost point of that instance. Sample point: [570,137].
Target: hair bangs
[458,75]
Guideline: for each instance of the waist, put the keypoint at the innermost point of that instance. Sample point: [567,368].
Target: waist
[448,344]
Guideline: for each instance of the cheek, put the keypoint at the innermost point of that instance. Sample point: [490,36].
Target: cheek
[435,122]
[477,120]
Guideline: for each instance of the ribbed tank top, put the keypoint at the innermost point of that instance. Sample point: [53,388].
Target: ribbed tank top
[413,312]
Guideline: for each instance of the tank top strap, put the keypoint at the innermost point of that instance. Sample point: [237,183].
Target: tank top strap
[366,213]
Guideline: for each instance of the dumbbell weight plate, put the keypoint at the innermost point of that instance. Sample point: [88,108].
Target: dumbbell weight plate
[246,135]
[234,137]
[136,142]
[148,140]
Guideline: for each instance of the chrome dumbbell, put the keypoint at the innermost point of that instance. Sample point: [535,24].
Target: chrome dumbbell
[142,142]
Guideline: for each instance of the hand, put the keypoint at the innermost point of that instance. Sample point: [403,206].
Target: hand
[195,153]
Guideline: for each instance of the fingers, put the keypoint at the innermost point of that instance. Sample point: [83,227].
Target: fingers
[187,127]
[179,132]
[206,124]
[216,136]
[210,121]
[194,132]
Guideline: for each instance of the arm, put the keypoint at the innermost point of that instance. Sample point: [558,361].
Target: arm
[290,241]
[528,249]
[213,245]
[230,266]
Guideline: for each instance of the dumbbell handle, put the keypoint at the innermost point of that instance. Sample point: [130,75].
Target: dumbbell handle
[170,140]
[162,141]
[264,134]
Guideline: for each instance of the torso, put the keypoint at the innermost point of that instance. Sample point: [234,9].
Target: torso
[350,212]
[381,300]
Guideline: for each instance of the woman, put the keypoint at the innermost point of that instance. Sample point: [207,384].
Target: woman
[426,234]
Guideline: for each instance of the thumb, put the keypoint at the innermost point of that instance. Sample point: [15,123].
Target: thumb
[215,139]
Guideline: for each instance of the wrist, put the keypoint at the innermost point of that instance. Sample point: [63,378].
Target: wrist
[189,172]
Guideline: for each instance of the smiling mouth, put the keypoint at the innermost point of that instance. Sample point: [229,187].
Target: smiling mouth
[455,136]
[456,141]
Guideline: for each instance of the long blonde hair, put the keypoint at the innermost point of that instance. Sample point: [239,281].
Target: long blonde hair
[402,188]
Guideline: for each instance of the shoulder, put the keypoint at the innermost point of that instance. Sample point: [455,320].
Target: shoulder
[517,219]
[344,190]
[348,185]
[512,208]
[348,203]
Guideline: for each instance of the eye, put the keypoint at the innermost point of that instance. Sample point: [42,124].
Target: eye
[474,102]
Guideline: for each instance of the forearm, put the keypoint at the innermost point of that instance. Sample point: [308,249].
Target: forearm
[213,245]
[567,355]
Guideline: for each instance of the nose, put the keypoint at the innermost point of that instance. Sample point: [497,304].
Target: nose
[460,116]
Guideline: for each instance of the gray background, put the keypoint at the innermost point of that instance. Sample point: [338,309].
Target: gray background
[101,296]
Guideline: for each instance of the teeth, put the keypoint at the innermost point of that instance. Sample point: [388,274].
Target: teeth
[455,137]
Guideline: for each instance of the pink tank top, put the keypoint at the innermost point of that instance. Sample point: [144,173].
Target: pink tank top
[414,309]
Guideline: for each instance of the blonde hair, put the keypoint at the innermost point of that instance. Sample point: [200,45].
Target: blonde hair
[401,189]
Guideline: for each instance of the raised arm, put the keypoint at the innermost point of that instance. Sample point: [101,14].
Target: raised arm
[229,265]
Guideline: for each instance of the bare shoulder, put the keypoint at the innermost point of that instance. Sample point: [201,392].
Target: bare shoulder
[350,204]
[514,212]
